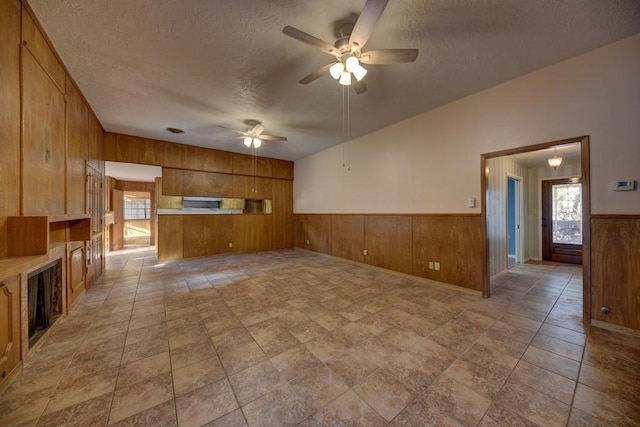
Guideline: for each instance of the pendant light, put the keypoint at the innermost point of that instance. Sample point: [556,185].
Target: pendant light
[555,161]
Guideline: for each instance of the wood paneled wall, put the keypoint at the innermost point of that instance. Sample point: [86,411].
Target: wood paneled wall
[404,243]
[132,149]
[189,236]
[48,132]
[615,269]
[10,12]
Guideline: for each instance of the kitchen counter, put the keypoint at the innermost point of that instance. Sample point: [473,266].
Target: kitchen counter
[199,211]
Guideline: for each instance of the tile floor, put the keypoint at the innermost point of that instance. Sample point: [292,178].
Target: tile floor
[295,338]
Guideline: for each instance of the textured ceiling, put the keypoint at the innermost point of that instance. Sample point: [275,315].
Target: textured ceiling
[145,65]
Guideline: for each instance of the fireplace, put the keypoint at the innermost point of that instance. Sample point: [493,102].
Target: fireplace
[44,300]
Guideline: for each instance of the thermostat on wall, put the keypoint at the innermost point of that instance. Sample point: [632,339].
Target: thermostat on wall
[624,186]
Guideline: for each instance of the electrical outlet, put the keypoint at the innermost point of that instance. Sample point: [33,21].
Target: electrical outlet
[430,265]
[365,252]
[307,241]
[230,244]
[436,266]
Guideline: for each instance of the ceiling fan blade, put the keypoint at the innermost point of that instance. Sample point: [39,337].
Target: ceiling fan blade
[257,129]
[367,21]
[232,130]
[359,86]
[273,138]
[389,56]
[316,74]
[309,39]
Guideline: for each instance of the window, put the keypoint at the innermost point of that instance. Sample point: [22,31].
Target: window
[137,208]
[567,214]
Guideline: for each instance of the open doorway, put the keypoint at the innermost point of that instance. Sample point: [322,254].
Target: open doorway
[131,205]
[514,211]
[497,168]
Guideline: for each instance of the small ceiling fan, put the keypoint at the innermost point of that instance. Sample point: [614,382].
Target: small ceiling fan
[253,136]
[348,49]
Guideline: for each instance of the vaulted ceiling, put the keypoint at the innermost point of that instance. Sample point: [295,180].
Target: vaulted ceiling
[145,65]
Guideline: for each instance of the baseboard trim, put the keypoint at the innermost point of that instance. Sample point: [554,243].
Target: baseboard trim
[615,328]
[398,273]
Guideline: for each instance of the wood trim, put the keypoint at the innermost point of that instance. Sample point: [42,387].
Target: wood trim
[615,216]
[534,147]
[586,210]
[585,176]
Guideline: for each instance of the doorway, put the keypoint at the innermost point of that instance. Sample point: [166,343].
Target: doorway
[514,210]
[488,200]
[562,220]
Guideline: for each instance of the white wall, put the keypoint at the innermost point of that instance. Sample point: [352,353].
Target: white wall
[431,163]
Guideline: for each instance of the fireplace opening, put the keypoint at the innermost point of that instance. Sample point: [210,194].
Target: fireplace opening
[44,287]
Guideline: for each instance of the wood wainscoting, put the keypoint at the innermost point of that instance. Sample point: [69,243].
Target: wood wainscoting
[403,243]
[615,269]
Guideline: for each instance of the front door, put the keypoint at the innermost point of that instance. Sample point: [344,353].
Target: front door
[562,220]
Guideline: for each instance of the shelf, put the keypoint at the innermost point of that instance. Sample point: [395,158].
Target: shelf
[33,235]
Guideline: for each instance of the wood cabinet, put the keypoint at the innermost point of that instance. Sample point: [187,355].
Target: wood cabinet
[252,233]
[9,327]
[205,235]
[9,113]
[282,199]
[75,273]
[249,187]
[179,182]
[77,149]
[43,141]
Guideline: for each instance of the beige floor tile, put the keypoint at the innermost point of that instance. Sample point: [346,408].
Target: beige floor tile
[499,416]
[254,382]
[318,386]
[191,353]
[552,362]
[75,390]
[458,400]
[558,346]
[605,406]
[89,412]
[279,407]
[422,412]
[140,396]
[414,370]
[143,369]
[483,380]
[241,358]
[348,410]
[385,394]
[326,347]
[162,415]
[546,382]
[205,404]
[294,362]
[197,375]
[533,405]
[232,419]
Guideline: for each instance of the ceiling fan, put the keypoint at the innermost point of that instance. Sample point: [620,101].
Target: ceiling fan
[253,136]
[348,52]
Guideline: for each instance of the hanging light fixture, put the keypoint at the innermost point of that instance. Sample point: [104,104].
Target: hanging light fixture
[555,161]
[247,141]
[345,78]
[257,142]
[347,67]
